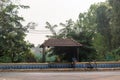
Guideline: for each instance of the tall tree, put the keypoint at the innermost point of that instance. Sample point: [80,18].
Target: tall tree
[84,33]
[115,22]
[103,26]
[12,33]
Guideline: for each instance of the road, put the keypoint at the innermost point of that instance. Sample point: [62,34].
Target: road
[112,75]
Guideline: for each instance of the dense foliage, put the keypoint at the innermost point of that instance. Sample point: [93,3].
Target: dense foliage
[98,31]
[13,48]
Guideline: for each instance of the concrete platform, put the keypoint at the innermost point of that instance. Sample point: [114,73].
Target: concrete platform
[103,75]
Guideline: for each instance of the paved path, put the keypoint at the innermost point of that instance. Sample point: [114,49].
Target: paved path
[115,75]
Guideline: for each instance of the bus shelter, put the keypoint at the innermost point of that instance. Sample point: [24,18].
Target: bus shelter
[55,42]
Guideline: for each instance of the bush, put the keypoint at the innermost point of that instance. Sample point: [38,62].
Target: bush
[5,59]
[116,54]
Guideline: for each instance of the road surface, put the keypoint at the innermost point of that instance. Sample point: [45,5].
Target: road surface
[112,75]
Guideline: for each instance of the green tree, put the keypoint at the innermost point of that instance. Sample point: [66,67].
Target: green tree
[12,33]
[103,26]
[100,46]
[84,33]
[115,22]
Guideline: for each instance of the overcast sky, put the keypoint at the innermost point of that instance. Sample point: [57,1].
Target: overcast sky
[53,11]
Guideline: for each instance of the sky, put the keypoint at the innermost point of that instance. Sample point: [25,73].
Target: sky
[53,11]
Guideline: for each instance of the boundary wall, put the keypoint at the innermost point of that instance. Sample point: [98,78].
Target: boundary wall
[78,65]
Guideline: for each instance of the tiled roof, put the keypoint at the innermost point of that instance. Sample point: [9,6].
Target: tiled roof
[60,42]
